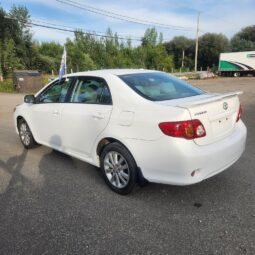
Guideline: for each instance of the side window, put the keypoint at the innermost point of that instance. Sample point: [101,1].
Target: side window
[91,91]
[56,93]
[105,97]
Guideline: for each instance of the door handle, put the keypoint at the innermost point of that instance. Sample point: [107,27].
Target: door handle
[98,116]
[55,112]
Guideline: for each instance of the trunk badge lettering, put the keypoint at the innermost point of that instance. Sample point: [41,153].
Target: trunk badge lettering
[199,113]
[225,105]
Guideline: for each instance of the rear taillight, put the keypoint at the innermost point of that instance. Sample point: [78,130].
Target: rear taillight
[188,129]
[239,113]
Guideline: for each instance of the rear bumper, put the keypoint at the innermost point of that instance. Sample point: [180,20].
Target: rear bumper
[172,160]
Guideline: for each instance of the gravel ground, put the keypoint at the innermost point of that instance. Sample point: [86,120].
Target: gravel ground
[51,203]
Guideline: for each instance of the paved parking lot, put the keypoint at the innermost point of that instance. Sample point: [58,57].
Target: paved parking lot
[53,204]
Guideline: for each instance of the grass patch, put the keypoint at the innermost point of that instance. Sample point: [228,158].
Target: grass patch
[7,86]
[46,78]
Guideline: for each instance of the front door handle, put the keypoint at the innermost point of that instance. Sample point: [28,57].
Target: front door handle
[98,115]
[55,112]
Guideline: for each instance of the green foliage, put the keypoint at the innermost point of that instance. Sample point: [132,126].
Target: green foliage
[10,55]
[210,47]
[49,54]
[244,40]
[88,52]
[6,86]
[150,37]
[15,40]
[46,78]
[78,59]
[177,46]
[156,57]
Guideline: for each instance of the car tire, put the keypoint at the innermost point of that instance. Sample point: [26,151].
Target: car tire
[25,134]
[118,168]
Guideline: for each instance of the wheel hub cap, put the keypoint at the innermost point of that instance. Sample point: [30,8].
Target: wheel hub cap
[116,169]
[24,134]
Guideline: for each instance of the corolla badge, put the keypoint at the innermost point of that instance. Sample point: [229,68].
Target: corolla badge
[225,105]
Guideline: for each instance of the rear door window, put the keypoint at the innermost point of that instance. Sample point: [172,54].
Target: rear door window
[90,91]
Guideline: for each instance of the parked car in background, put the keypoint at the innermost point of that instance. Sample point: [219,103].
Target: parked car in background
[136,125]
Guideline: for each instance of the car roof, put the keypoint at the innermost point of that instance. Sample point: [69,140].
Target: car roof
[112,71]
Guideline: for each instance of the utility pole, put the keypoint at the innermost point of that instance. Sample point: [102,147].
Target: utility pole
[183,55]
[197,42]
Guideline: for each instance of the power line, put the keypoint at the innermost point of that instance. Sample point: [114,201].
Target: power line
[71,30]
[81,32]
[122,17]
[53,26]
[79,29]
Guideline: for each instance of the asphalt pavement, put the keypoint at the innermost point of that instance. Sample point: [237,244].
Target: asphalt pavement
[51,203]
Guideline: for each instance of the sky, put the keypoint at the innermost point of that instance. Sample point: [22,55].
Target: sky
[224,16]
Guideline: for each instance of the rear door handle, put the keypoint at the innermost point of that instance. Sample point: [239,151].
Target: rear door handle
[55,112]
[98,115]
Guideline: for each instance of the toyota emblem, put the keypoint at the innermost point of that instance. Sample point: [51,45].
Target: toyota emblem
[225,105]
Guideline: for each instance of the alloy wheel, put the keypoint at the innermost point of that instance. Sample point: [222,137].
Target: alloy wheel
[116,169]
[25,134]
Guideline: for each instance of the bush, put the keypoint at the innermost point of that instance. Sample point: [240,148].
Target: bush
[7,86]
[46,78]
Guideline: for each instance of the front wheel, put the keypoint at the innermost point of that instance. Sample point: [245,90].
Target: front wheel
[118,168]
[26,135]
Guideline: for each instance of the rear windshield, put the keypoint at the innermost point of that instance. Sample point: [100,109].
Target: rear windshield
[158,86]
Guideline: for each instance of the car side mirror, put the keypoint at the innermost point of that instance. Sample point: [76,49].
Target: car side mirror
[30,99]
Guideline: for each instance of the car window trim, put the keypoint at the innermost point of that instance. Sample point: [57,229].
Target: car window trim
[50,86]
[148,97]
[88,77]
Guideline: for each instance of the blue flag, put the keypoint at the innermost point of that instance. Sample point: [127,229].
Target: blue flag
[62,69]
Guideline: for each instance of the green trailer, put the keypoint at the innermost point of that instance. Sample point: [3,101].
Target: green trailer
[237,63]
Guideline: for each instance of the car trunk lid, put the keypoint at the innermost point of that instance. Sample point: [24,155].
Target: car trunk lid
[217,112]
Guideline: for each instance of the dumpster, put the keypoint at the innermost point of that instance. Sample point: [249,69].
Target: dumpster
[27,81]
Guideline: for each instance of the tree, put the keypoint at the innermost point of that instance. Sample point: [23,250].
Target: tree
[77,58]
[161,38]
[152,51]
[15,39]
[88,52]
[177,46]
[2,39]
[21,34]
[11,60]
[50,52]
[244,40]
[210,47]
[150,37]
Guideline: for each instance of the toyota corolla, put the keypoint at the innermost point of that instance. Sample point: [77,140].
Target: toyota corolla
[135,125]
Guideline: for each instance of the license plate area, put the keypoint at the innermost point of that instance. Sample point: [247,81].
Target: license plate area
[222,126]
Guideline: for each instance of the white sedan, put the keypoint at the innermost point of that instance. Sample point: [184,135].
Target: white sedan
[135,125]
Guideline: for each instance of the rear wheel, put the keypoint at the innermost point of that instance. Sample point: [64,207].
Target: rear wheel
[26,135]
[118,168]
